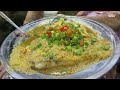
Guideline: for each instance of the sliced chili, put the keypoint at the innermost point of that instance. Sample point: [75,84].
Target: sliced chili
[51,28]
[81,43]
[64,28]
[49,34]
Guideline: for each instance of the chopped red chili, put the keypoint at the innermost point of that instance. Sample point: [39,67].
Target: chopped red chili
[49,34]
[81,43]
[64,28]
[51,28]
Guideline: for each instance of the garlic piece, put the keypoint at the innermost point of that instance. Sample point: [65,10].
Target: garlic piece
[40,65]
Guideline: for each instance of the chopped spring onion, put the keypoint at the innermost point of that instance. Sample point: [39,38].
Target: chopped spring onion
[37,46]
[106,47]
[78,51]
[86,44]
[94,40]
[69,48]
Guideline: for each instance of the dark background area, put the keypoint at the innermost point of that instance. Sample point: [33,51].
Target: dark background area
[5,27]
